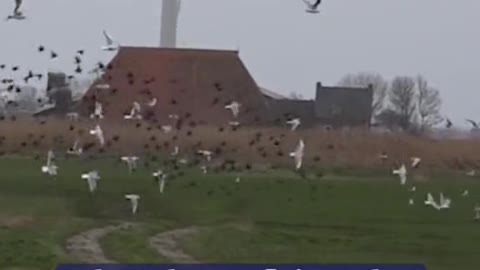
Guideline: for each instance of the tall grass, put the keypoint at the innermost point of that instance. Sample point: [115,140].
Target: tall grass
[353,148]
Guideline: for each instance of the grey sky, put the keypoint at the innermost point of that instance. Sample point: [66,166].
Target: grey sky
[285,48]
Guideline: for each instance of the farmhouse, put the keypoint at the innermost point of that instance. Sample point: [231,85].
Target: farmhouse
[194,84]
[333,106]
[197,84]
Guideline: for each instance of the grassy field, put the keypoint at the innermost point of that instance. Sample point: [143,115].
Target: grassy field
[274,217]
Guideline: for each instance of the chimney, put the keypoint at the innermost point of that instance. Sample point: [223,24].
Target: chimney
[55,80]
[59,91]
[318,89]
[63,99]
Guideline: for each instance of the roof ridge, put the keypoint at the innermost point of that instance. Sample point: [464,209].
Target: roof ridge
[178,49]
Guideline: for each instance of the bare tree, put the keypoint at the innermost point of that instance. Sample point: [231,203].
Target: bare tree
[428,103]
[402,100]
[366,79]
[390,119]
[296,96]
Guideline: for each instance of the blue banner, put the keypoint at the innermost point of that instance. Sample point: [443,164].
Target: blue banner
[241,267]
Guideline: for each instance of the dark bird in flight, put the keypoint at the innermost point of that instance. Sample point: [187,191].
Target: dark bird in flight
[29,76]
[78,60]
[78,69]
[449,123]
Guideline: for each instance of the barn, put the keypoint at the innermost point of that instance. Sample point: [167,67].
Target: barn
[197,84]
[191,83]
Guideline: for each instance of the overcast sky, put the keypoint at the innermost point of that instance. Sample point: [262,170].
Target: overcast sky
[285,49]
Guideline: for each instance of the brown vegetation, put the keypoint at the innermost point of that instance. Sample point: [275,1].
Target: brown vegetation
[16,221]
[353,148]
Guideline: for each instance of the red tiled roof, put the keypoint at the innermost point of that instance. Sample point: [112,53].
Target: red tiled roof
[198,82]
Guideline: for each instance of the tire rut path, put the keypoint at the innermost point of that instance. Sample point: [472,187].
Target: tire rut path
[85,246]
[166,244]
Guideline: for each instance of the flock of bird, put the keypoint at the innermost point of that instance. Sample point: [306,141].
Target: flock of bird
[135,113]
[93,177]
[443,202]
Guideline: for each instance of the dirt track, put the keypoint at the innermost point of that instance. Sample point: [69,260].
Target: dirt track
[85,246]
[166,245]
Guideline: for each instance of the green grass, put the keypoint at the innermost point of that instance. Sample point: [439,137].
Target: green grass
[277,217]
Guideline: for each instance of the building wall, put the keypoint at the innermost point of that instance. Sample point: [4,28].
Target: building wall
[334,106]
[340,106]
[60,93]
[281,110]
[56,79]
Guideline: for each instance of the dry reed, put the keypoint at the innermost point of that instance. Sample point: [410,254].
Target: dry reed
[354,148]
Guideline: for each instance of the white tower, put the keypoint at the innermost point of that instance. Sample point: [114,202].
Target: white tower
[168,32]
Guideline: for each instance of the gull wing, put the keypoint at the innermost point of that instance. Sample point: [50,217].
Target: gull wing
[316,4]
[98,107]
[442,199]
[101,139]
[108,37]
[75,144]
[433,203]
[137,107]
[403,178]
[430,199]
[299,154]
[474,124]
[95,175]
[153,102]
[299,149]
[50,157]
[309,5]
[301,146]
[18,4]
[99,133]
[298,162]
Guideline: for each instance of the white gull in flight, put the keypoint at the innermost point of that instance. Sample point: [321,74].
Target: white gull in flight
[133,198]
[50,168]
[98,132]
[131,162]
[297,155]
[92,180]
[402,173]
[234,106]
[161,178]
[111,44]
[294,123]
